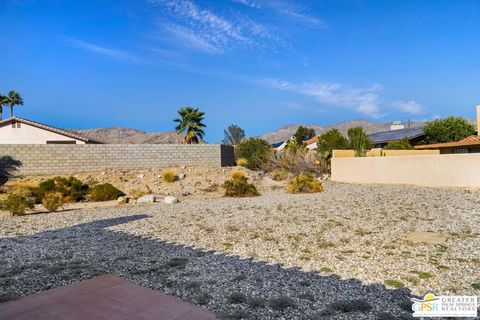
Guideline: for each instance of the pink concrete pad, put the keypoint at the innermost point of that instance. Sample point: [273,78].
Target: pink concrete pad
[103,297]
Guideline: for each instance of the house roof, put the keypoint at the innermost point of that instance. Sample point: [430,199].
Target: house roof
[473,140]
[311,140]
[68,133]
[386,136]
[277,144]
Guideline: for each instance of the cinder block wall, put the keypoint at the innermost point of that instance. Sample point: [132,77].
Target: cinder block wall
[69,159]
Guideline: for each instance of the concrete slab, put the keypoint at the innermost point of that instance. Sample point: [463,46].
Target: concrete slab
[426,237]
[103,297]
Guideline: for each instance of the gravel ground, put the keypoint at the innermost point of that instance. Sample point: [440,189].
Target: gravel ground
[277,256]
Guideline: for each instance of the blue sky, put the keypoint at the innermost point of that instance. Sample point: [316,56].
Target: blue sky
[258,64]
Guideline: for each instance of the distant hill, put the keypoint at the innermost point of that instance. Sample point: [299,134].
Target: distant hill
[127,135]
[286,132]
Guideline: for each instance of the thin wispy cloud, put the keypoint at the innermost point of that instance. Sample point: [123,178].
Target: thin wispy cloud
[410,107]
[287,9]
[115,54]
[364,101]
[219,33]
[190,39]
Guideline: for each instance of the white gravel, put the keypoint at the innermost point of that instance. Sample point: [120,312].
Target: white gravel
[355,231]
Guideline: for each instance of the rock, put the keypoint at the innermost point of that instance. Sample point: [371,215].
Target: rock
[148,198]
[122,200]
[186,193]
[181,176]
[141,176]
[183,167]
[170,200]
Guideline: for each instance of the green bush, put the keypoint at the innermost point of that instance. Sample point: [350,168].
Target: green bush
[447,130]
[17,204]
[104,192]
[329,141]
[72,189]
[304,183]
[238,186]
[402,144]
[52,201]
[255,150]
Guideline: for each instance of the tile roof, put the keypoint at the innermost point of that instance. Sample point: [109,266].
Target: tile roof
[386,136]
[68,133]
[311,140]
[473,140]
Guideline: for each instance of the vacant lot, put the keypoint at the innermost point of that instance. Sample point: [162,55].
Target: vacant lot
[347,244]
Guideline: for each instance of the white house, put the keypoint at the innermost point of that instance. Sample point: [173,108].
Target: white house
[21,131]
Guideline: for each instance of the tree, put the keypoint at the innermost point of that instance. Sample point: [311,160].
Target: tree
[190,124]
[447,130]
[255,150]
[13,99]
[233,135]
[297,141]
[402,144]
[3,102]
[302,134]
[330,140]
[359,141]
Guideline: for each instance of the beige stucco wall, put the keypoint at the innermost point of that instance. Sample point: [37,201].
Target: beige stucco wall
[450,170]
[27,134]
[389,153]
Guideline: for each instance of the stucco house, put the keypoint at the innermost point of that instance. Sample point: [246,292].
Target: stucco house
[22,131]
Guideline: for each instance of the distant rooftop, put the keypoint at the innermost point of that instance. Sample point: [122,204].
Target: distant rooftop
[386,136]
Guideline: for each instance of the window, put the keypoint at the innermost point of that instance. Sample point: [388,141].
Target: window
[19,124]
[16,125]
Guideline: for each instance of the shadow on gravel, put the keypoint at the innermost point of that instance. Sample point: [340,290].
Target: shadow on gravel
[235,288]
[8,166]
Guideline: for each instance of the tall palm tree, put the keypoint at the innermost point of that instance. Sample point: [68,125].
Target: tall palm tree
[3,102]
[14,99]
[190,123]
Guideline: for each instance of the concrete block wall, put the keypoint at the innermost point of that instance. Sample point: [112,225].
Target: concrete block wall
[69,159]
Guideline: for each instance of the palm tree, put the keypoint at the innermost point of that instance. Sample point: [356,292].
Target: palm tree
[190,123]
[14,99]
[3,102]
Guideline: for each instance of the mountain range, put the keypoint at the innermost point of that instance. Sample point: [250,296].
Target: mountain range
[128,135]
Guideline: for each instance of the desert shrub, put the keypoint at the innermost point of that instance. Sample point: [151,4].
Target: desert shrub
[52,201]
[447,130]
[359,141]
[330,140]
[236,298]
[169,176]
[402,144]
[304,183]
[279,174]
[242,162]
[137,193]
[17,204]
[72,189]
[282,303]
[350,306]
[104,192]
[238,186]
[297,162]
[255,150]
[24,189]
